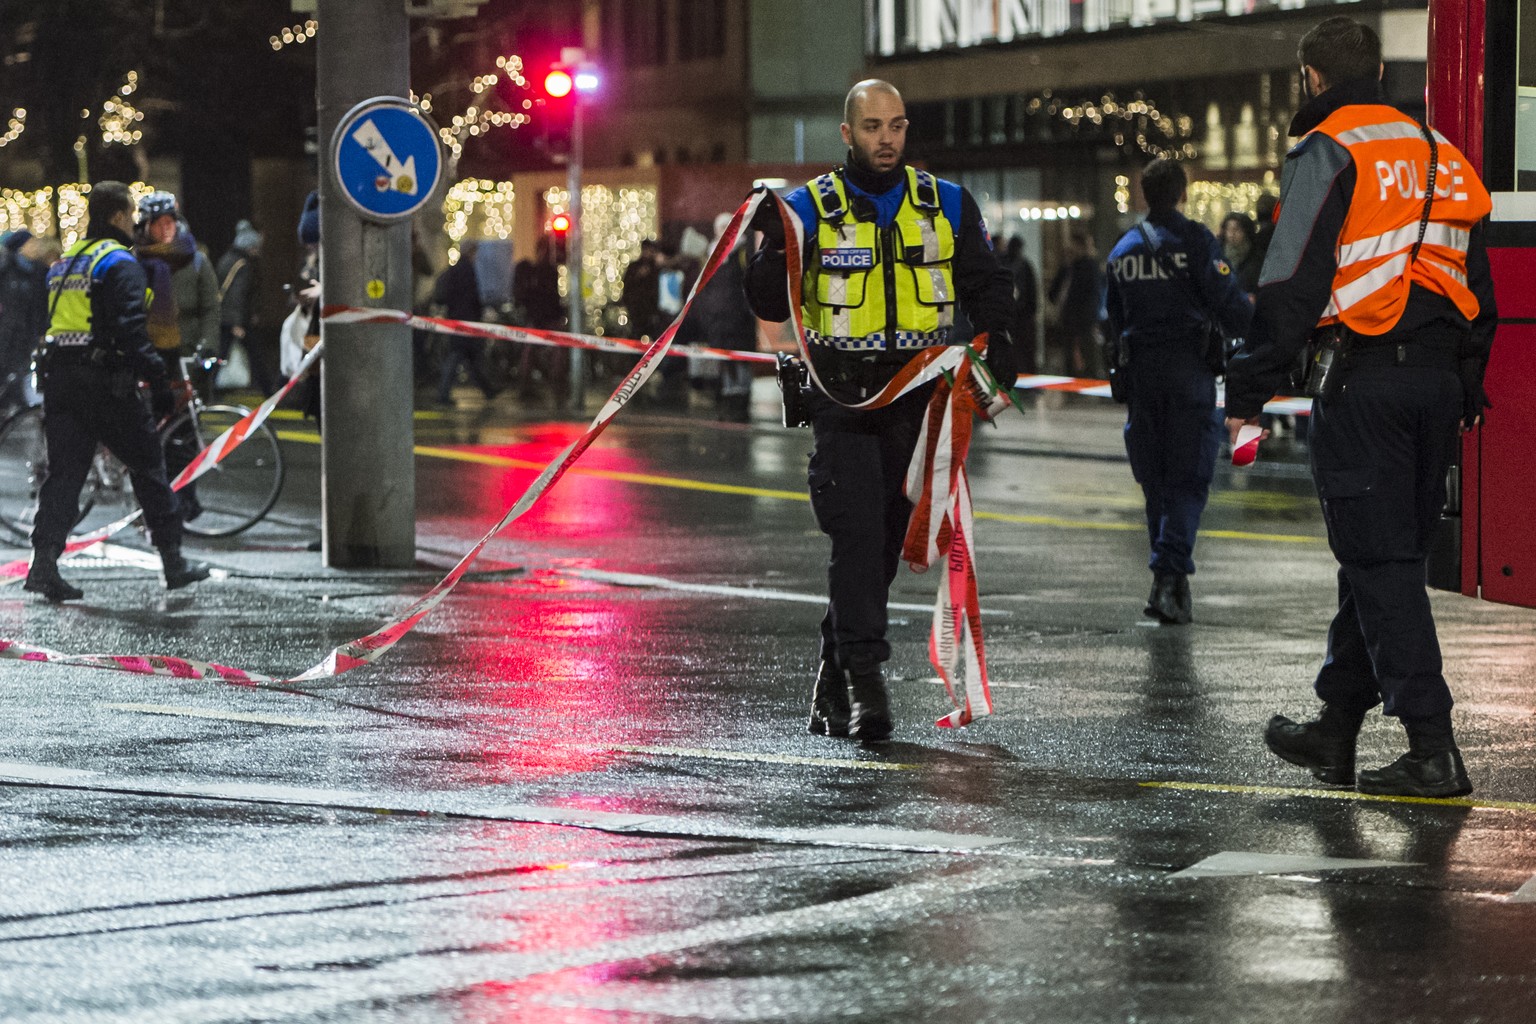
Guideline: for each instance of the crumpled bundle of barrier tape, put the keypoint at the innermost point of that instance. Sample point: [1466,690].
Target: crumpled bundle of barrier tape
[941,523]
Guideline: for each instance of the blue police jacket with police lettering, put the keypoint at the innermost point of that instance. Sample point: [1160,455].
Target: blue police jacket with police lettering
[1147,306]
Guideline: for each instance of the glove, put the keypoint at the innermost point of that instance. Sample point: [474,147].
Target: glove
[767,220]
[1473,398]
[1000,359]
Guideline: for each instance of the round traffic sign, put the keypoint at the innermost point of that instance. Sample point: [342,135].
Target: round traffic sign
[386,158]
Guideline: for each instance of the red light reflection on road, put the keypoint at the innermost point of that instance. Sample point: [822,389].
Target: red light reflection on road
[576,506]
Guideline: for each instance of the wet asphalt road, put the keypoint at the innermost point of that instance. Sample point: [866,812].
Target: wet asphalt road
[581,791]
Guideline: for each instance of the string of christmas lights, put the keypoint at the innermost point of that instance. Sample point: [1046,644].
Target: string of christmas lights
[119,116]
[296,34]
[14,128]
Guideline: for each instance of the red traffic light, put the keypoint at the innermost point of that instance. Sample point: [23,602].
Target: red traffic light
[558,83]
[560,223]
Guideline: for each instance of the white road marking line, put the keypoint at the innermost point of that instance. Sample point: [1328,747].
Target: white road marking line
[629,579]
[1235,862]
[232,716]
[992,683]
[466,805]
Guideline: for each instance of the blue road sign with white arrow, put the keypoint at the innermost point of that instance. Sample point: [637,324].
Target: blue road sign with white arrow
[386,157]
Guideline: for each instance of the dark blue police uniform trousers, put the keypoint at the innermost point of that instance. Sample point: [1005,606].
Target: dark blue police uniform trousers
[80,410]
[857,479]
[1380,450]
[1172,434]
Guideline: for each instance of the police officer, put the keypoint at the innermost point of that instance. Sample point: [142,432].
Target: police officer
[96,351]
[889,252]
[1378,256]
[1167,284]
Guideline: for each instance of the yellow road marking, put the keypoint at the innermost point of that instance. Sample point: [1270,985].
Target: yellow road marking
[1342,794]
[232,716]
[741,755]
[683,483]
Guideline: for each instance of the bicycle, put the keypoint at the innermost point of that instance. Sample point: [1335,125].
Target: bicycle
[233,496]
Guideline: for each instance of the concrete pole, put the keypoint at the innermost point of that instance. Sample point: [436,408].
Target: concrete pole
[368,480]
[578,386]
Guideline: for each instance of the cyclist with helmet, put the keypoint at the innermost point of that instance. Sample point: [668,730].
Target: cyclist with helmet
[184,309]
[96,351]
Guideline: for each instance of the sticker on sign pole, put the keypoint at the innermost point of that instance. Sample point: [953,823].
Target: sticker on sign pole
[386,158]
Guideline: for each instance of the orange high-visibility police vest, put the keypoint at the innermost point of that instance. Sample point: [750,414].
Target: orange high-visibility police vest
[1391,157]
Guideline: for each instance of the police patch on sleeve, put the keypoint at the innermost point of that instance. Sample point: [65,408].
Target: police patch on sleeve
[847,259]
[1221,267]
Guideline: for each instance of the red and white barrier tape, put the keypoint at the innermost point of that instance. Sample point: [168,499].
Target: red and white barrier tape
[1280,405]
[370,648]
[529,335]
[205,460]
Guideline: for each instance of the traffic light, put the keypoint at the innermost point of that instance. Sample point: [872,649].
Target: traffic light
[559,230]
[556,108]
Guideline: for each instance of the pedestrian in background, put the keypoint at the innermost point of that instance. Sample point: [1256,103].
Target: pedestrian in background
[457,292]
[1238,232]
[239,278]
[720,317]
[96,352]
[1077,302]
[1388,279]
[1026,304]
[536,292]
[23,313]
[1167,284]
[857,472]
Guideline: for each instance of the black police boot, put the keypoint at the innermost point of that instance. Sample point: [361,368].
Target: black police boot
[43,578]
[1325,747]
[871,717]
[829,703]
[1431,768]
[1170,601]
[179,572]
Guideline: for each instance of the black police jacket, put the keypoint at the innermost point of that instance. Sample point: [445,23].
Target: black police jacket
[119,320]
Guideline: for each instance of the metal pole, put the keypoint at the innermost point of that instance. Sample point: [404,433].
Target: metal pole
[368,482]
[573,259]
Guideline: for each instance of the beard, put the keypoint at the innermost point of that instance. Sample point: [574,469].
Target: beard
[868,159]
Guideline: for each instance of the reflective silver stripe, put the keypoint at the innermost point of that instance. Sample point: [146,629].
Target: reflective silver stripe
[941,296]
[1403,238]
[1385,133]
[837,290]
[67,338]
[1356,290]
[930,239]
[1445,268]
[842,322]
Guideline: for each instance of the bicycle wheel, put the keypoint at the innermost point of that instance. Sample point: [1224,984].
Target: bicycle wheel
[24,466]
[235,494]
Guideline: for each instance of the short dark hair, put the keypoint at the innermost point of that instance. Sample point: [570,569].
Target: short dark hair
[1341,50]
[1163,183]
[106,200]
